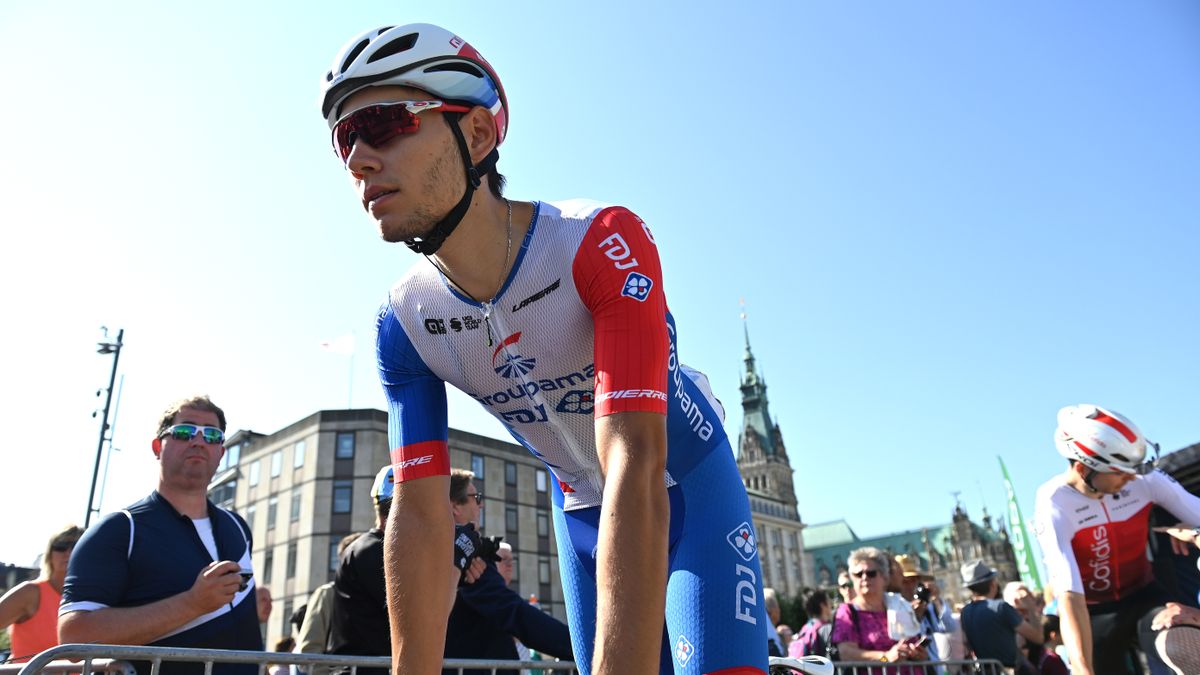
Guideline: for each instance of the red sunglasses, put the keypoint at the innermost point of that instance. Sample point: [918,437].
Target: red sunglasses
[377,124]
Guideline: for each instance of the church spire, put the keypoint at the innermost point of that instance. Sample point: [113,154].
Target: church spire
[756,419]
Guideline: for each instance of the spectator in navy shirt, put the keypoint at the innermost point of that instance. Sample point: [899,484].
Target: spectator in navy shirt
[487,614]
[165,571]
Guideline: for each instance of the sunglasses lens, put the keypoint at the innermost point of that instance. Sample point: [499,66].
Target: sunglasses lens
[183,432]
[375,124]
[213,435]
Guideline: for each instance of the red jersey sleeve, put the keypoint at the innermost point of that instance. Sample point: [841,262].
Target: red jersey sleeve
[619,279]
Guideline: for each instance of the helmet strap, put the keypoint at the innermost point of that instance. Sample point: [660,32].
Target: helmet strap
[1089,474]
[430,243]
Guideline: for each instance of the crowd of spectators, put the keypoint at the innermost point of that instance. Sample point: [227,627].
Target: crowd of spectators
[175,570]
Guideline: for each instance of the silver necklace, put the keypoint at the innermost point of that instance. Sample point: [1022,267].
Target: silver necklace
[487,305]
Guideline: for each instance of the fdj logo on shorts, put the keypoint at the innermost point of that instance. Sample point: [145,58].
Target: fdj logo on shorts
[684,650]
[742,540]
[637,286]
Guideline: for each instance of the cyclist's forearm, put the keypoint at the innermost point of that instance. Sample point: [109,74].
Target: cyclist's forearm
[418,542]
[1077,632]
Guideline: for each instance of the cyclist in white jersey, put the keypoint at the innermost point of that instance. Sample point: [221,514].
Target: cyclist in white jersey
[1093,526]
[553,317]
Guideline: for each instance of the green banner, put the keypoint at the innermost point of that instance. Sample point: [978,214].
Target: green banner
[1022,546]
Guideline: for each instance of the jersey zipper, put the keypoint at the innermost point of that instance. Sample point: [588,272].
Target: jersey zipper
[573,451]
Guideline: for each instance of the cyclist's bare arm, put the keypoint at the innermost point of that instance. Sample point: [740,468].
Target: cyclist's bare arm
[418,543]
[1077,632]
[631,565]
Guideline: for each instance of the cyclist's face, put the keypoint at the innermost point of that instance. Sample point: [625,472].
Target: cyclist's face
[1111,482]
[414,179]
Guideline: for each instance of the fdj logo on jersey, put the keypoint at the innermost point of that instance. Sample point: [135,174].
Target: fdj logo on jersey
[579,401]
[637,286]
[513,365]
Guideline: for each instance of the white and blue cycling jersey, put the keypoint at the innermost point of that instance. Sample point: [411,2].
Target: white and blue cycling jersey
[579,330]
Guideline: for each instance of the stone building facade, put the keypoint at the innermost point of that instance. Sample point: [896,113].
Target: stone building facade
[767,473]
[305,487]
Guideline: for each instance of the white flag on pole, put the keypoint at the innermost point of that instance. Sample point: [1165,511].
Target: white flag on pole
[343,344]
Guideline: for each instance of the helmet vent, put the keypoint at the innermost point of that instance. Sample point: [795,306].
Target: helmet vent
[1121,458]
[455,66]
[383,30]
[400,44]
[358,49]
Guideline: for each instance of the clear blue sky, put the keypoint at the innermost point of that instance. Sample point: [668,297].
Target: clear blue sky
[948,220]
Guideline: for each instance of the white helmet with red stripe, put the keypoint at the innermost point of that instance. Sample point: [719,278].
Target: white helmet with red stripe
[1100,439]
[418,55]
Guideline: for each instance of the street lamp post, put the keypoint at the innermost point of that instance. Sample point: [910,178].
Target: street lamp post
[114,348]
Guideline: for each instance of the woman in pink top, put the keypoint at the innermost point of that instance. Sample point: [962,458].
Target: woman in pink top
[30,609]
[860,627]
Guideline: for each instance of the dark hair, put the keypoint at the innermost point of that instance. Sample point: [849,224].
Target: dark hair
[1050,625]
[460,479]
[814,602]
[496,181]
[383,509]
[297,618]
[346,541]
[202,402]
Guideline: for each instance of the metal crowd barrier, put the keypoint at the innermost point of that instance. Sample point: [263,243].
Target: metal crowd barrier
[67,667]
[961,667]
[85,659]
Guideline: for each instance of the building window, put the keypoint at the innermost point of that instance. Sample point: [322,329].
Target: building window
[516,571]
[543,480]
[295,515]
[254,471]
[510,474]
[233,454]
[345,445]
[223,494]
[298,455]
[251,511]
[343,496]
[543,570]
[287,613]
[334,561]
[276,463]
[291,560]
[543,524]
[477,466]
[268,565]
[272,508]
[510,520]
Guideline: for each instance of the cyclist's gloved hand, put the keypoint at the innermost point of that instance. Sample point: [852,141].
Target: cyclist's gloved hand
[466,547]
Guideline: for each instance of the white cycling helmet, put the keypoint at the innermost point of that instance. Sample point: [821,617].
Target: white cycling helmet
[384,486]
[434,60]
[1100,439]
[418,55]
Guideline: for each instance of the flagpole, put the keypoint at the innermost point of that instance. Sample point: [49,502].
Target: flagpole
[350,384]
